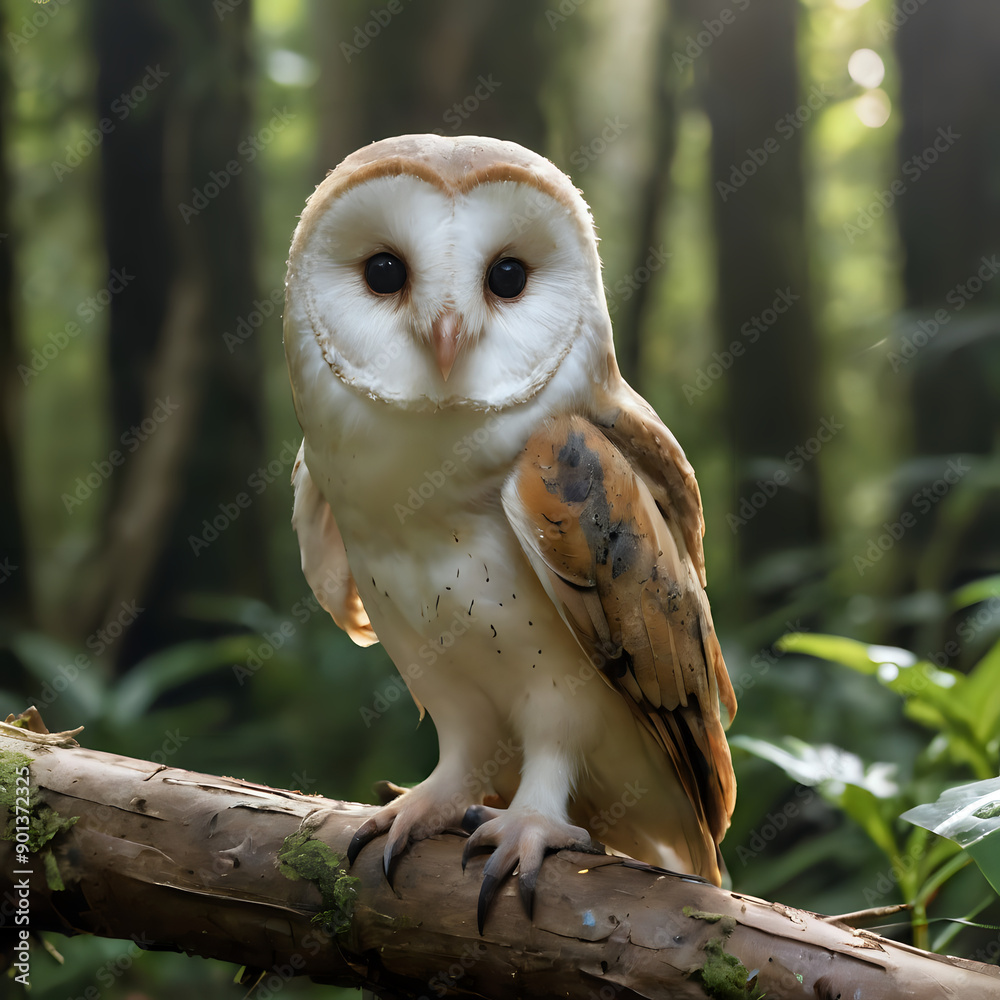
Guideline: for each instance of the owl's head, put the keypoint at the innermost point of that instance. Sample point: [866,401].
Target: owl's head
[433,272]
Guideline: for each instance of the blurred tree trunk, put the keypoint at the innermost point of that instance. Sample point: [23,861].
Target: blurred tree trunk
[949,219]
[653,197]
[748,76]
[186,405]
[14,590]
[469,69]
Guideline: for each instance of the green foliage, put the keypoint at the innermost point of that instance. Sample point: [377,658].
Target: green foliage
[965,710]
[970,816]
[961,710]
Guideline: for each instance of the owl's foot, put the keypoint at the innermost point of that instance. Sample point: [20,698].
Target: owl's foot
[518,838]
[415,813]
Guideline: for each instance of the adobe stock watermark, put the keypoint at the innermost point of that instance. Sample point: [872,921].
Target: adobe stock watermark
[913,169]
[365,33]
[19,830]
[41,16]
[478,781]
[435,479]
[247,326]
[88,310]
[922,501]
[121,107]
[600,823]
[722,361]
[989,954]
[98,642]
[973,624]
[582,157]
[461,111]
[695,45]
[274,639]
[554,16]
[428,652]
[902,11]
[131,440]
[224,7]
[247,151]
[170,745]
[272,981]
[762,661]
[888,881]
[624,288]
[257,482]
[590,665]
[443,982]
[958,298]
[774,823]
[538,205]
[795,461]
[7,569]
[786,127]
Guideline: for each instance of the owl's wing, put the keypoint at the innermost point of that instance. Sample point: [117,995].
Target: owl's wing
[609,515]
[324,558]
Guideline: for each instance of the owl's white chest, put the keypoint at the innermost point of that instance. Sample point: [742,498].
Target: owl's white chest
[443,578]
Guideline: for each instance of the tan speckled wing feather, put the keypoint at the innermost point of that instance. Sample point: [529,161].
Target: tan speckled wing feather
[610,517]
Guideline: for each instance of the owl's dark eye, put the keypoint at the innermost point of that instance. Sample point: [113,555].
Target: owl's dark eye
[385,273]
[507,278]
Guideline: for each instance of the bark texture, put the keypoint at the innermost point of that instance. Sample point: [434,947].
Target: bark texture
[191,862]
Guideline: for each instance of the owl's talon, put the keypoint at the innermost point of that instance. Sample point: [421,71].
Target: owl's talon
[474,846]
[393,850]
[367,832]
[521,840]
[526,882]
[486,893]
[416,813]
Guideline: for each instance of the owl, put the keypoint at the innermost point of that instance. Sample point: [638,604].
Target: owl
[480,490]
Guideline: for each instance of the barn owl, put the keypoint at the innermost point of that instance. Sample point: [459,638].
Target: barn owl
[480,490]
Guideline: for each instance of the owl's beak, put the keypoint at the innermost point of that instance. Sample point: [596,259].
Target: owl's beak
[446,339]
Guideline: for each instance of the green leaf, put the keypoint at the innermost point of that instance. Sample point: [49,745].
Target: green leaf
[869,813]
[935,696]
[898,669]
[986,854]
[985,589]
[970,816]
[826,766]
[65,675]
[839,649]
[981,697]
[841,777]
[167,669]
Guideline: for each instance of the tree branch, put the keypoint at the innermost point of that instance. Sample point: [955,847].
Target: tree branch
[179,860]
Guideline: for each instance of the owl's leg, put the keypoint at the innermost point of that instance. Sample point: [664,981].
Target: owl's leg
[535,825]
